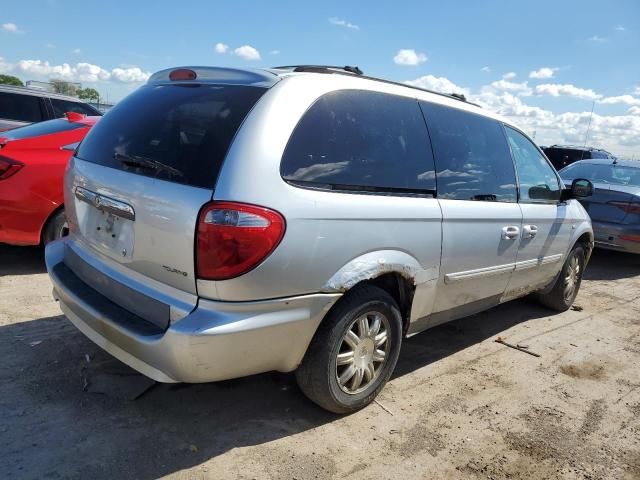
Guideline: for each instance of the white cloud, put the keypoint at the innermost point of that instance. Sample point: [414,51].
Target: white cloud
[619,134]
[80,72]
[485,69]
[619,28]
[49,45]
[566,90]
[274,52]
[11,28]
[221,47]
[637,90]
[597,39]
[621,99]
[544,72]
[437,84]
[505,85]
[5,67]
[343,23]
[509,76]
[408,56]
[76,51]
[247,52]
[130,75]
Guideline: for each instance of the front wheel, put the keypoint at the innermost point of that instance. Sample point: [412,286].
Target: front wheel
[354,351]
[565,290]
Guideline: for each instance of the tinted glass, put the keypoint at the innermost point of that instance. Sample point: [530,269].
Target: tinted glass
[24,108]
[473,161]
[538,182]
[356,138]
[42,128]
[595,154]
[61,107]
[179,133]
[599,173]
[561,157]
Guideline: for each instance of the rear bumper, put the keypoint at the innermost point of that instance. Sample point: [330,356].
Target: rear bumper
[216,341]
[608,236]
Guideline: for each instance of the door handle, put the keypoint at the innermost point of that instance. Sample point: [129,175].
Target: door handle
[510,232]
[529,231]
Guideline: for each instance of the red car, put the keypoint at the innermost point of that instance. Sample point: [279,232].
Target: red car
[32,163]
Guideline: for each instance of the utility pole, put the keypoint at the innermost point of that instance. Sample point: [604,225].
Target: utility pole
[586,135]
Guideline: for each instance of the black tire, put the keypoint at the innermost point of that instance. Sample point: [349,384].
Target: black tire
[557,298]
[317,375]
[55,228]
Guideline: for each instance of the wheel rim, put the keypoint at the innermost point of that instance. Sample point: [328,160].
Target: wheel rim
[572,277]
[363,352]
[64,230]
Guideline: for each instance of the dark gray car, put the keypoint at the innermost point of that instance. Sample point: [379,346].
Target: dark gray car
[614,206]
[20,106]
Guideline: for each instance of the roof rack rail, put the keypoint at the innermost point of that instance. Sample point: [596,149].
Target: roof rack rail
[360,73]
[320,68]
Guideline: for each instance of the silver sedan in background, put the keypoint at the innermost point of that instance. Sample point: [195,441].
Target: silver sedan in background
[614,206]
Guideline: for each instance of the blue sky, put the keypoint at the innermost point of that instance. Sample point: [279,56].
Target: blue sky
[582,51]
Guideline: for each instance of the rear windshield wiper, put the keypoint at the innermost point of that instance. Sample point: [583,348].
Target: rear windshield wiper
[146,163]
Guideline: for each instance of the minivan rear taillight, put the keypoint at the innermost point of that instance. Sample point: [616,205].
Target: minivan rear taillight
[234,238]
[8,167]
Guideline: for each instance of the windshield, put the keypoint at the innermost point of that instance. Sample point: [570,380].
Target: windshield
[603,173]
[179,133]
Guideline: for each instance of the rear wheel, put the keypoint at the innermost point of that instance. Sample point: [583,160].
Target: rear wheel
[354,351]
[55,228]
[565,290]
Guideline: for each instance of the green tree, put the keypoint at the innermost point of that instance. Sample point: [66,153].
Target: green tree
[89,94]
[66,88]
[11,80]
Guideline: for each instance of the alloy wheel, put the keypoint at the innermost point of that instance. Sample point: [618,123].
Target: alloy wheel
[363,352]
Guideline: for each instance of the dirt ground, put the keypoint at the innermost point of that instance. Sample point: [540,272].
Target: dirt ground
[459,405]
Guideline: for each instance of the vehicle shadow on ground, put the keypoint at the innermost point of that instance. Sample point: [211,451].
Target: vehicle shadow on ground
[170,427]
[612,265]
[21,260]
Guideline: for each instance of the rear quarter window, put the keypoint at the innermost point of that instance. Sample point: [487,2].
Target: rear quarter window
[360,140]
[23,108]
[179,133]
[61,107]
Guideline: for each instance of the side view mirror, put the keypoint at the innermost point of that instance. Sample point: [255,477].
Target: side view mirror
[580,188]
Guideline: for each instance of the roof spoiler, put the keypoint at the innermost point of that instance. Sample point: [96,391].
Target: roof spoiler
[75,116]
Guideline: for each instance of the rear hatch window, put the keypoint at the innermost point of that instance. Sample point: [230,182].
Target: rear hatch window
[175,132]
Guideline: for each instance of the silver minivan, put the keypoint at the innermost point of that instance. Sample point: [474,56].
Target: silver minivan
[229,222]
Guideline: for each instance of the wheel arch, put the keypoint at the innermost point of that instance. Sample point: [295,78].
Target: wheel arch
[393,271]
[49,219]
